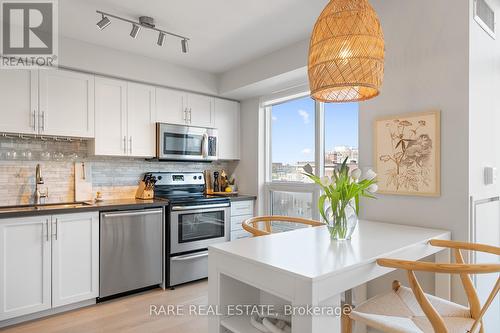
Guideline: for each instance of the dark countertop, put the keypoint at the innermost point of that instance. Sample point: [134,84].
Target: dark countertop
[53,209]
[243,197]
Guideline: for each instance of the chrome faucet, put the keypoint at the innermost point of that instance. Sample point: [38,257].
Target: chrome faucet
[39,181]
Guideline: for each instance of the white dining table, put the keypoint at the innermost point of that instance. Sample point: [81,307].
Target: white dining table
[304,268]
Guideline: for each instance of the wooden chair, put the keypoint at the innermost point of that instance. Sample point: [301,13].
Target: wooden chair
[411,310]
[252,225]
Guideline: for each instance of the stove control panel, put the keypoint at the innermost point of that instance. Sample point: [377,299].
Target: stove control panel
[179,178]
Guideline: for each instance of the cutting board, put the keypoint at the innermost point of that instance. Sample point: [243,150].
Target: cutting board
[83,181]
[225,194]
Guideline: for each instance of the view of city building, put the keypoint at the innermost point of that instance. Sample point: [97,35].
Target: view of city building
[294,172]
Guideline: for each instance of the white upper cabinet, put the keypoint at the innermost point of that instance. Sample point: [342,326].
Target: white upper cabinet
[75,258]
[66,103]
[125,119]
[141,120]
[19,96]
[177,107]
[200,110]
[170,106]
[25,262]
[120,115]
[111,117]
[227,123]
[47,102]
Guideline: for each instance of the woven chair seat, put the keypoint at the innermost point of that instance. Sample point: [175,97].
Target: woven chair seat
[399,312]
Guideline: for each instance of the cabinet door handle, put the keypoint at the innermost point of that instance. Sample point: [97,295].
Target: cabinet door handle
[130,145]
[41,121]
[185,115]
[34,120]
[47,228]
[125,145]
[57,228]
[190,115]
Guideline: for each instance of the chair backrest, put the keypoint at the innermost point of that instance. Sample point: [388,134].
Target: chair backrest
[253,224]
[460,268]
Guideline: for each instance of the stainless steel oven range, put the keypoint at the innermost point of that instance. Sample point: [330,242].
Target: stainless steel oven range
[194,221]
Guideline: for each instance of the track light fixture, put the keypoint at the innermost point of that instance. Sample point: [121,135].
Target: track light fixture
[184,46]
[135,30]
[103,23]
[161,39]
[146,23]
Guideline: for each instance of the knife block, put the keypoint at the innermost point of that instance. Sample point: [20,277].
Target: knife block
[143,192]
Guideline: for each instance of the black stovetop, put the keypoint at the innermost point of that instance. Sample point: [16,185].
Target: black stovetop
[187,188]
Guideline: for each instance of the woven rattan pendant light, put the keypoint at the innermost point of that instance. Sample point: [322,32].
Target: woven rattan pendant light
[346,53]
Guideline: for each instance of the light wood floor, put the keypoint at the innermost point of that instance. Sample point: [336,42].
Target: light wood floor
[129,314]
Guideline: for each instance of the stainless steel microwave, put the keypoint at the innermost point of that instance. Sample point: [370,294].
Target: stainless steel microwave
[185,143]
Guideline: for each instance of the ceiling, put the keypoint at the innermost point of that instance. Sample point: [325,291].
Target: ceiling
[224,33]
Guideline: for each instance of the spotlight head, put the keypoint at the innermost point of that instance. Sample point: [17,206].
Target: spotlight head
[161,39]
[135,30]
[103,23]
[184,46]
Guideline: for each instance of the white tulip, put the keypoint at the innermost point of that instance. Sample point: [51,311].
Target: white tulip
[355,174]
[326,181]
[372,188]
[370,174]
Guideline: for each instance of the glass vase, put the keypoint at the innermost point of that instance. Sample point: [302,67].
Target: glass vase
[343,224]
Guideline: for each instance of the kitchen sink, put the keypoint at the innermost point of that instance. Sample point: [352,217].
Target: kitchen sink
[27,208]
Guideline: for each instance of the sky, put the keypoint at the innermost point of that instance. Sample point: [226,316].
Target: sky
[293,129]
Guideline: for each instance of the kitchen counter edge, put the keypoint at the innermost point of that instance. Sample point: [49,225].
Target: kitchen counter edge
[243,197]
[106,205]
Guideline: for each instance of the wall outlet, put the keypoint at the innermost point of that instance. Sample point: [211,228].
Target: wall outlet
[490,175]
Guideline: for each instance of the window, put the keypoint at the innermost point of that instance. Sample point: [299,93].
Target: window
[292,136]
[341,135]
[292,204]
[301,131]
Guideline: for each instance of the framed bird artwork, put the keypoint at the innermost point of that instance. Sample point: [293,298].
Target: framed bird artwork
[407,154]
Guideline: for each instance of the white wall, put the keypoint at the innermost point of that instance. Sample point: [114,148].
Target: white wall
[276,71]
[484,104]
[250,169]
[484,143]
[93,58]
[426,67]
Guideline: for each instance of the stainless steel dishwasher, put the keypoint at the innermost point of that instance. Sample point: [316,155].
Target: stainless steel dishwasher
[131,251]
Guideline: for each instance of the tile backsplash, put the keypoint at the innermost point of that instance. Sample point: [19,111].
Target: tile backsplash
[116,178]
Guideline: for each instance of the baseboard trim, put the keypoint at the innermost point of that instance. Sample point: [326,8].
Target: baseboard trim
[49,312]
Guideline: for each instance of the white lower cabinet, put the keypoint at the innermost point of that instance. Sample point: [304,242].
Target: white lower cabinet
[75,258]
[240,211]
[47,261]
[25,264]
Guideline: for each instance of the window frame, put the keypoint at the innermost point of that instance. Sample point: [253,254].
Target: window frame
[271,186]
